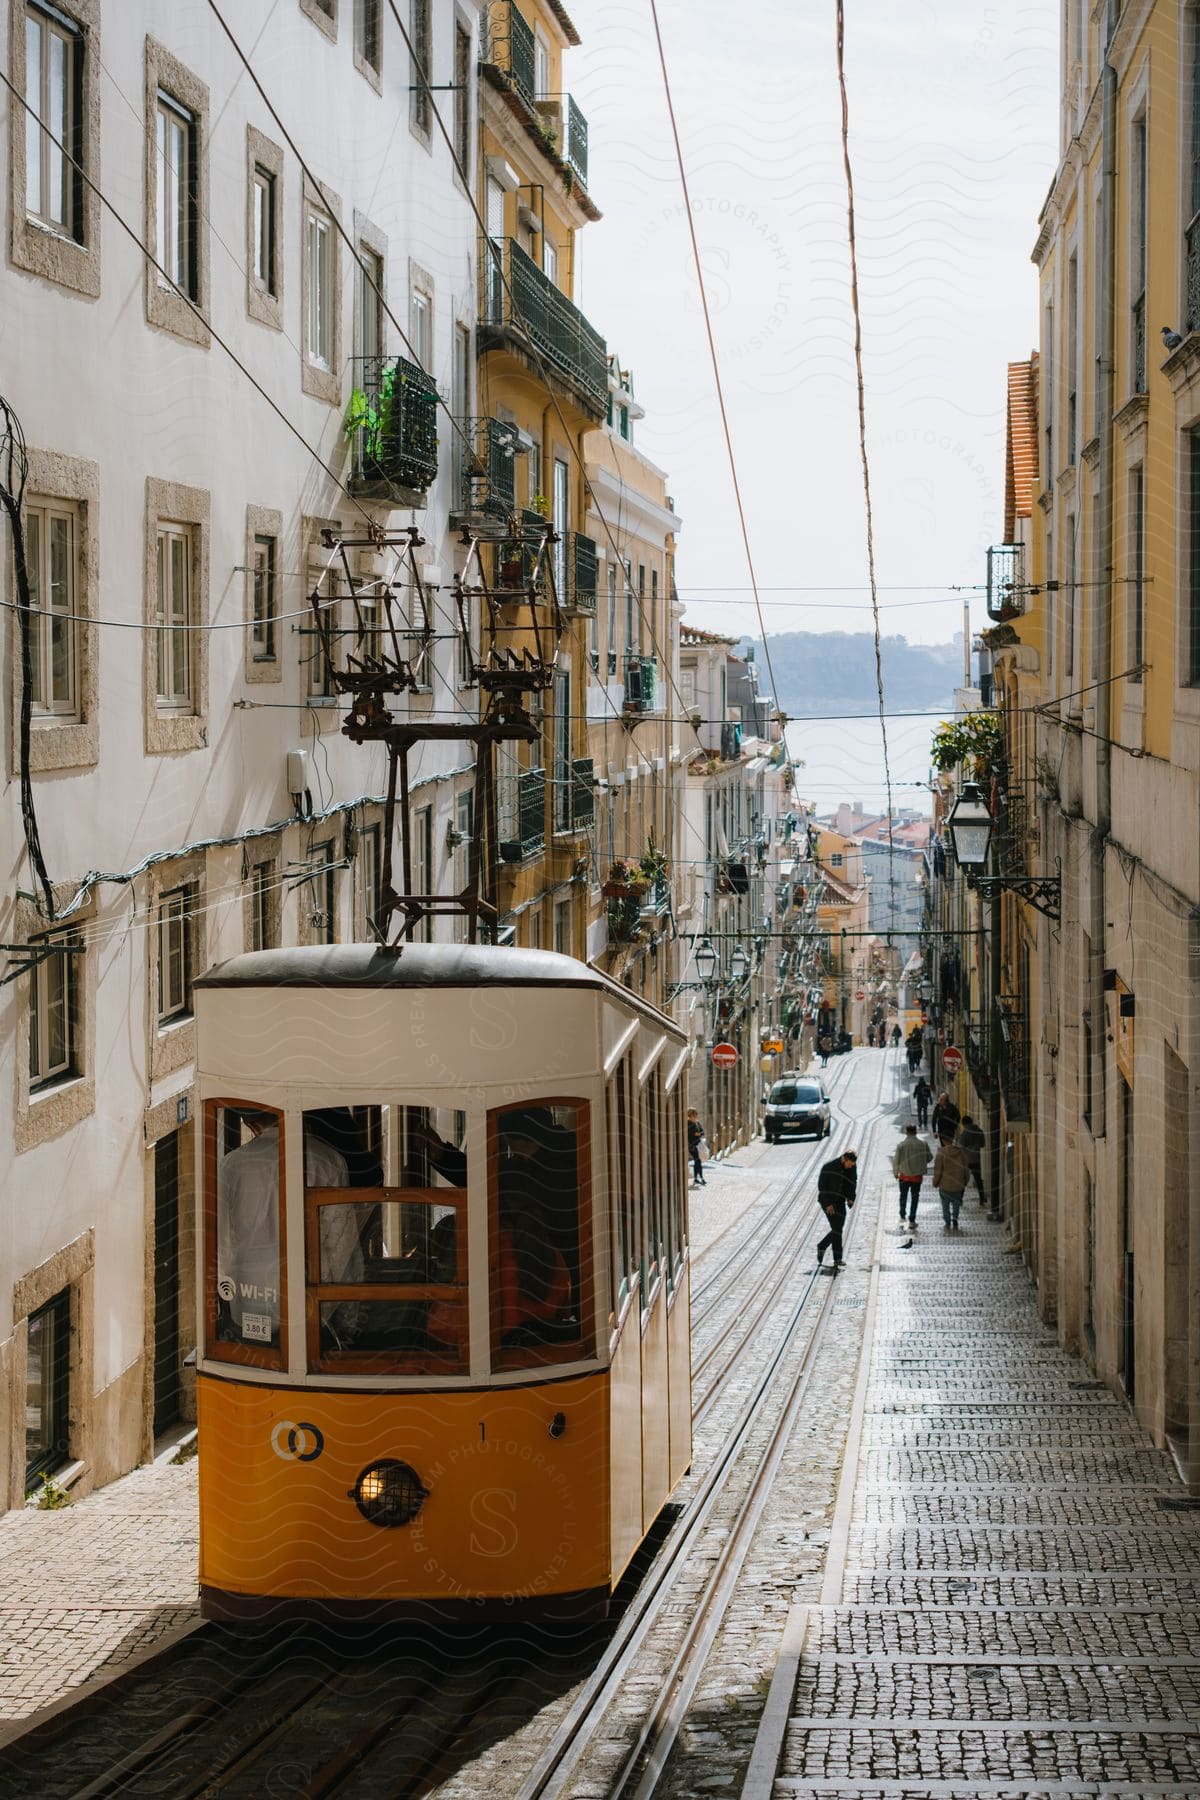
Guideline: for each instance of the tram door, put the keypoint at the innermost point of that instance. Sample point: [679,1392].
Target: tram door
[166,1282]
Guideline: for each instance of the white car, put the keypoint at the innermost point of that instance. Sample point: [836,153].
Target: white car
[797,1103]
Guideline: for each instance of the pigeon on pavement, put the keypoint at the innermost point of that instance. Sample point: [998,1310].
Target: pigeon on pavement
[1171,339]
[908,1245]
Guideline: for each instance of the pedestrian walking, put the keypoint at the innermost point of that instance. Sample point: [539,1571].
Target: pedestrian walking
[695,1138]
[910,1159]
[922,1095]
[945,1117]
[896,1035]
[824,1048]
[870,1037]
[970,1138]
[837,1186]
[950,1172]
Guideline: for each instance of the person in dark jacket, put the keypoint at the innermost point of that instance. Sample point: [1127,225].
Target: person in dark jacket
[695,1137]
[970,1139]
[945,1119]
[837,1187]
[922,1095]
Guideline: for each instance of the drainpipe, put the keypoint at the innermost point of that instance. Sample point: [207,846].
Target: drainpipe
[1102,613]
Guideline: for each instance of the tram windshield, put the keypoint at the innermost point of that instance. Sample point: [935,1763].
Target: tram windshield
[386,1238]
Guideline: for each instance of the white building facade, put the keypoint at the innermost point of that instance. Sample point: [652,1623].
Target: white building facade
[189,330]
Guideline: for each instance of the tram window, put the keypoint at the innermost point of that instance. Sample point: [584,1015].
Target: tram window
[652,1249]
[540,1239]
[243,1185]
[386,1239]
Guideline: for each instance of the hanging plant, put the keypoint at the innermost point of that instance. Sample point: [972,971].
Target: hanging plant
[975,742]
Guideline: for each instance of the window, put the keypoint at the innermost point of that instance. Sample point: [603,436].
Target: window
[47,1388]
[836,859]
[51,560]
[318,895]
[1137,592]
[562,771]
[262,633]
[173,619]
[623,422]
[54,123]
[369,880]
[420,328]
[54,1011]
[653,621]
[1070,599]
[612,618]
[176,192]
[423,876]
[370,309]
[264,906]
[264,225]
[1191,183]
[462,97]
[245,1260]
[460,409]
[1191,617]
[541,68]
[562,520]
[175,955]
[550,260]
[539,1226]
[1072,357]
[319,263]
[368,33]
[464,821]
[1137,269]
[419,35]
[630,611]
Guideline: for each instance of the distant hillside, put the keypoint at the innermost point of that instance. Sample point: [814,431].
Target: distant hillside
[830,672]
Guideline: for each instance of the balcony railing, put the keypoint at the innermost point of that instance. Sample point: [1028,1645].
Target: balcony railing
[731,741]
[575,795]
[641,684]
[568,128]
[1193,275]
[489,467]
[582,568]
[1012,838]
[518,299]
[530,822]
[393,417]
[1005,581]
[506,43]
[1014,1058]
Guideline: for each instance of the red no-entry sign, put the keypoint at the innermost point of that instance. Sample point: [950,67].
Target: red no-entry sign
[724,1056]
[860,994]
[952,1059]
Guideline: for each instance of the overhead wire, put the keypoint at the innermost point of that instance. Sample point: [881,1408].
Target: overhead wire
[860,384]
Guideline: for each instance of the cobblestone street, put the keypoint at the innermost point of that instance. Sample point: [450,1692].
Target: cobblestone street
[1014,1604]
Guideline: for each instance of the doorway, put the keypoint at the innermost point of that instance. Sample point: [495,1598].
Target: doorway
[167,1373]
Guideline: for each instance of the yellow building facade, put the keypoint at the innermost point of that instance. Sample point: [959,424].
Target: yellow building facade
[1098,656]
[540,384]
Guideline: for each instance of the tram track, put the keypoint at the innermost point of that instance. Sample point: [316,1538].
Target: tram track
[390,1726]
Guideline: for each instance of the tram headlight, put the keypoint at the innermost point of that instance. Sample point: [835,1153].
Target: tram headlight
[389,1493]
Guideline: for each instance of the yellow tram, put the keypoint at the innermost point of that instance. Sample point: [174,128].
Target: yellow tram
[444,1348]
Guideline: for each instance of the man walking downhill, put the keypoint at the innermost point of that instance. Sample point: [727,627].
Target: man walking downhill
[922,1095]
[910,1160]
[837,1185]
[950,1172]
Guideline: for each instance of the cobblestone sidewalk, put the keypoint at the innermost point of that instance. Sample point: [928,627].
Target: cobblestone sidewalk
[88,1590]
[1018,1608]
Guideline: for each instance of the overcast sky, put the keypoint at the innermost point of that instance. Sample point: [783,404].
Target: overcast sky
[953,119]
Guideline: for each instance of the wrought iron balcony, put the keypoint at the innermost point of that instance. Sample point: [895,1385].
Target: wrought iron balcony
[580,595]
[568,131]
[488,483]
[641,684]
[731,741]
[1014,1058]
[575,795]
[657,898]
[1193,275]
[393,422]
[530,837]
[520,304]
[1005,581]
[506,43]
[1012,836]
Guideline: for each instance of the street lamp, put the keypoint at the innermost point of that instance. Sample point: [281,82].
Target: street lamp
[705,960]
[970,828]
[739,964]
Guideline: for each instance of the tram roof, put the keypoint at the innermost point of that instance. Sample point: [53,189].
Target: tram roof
[420,966]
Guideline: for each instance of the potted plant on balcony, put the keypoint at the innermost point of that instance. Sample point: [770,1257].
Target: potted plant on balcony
[653,865]
[624,919]
[624,881]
